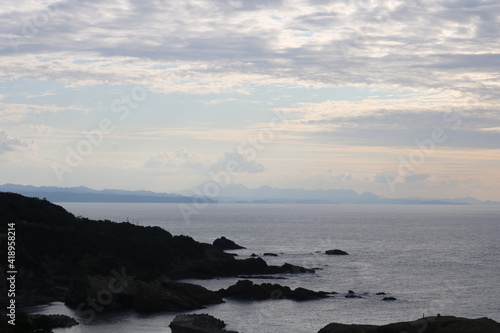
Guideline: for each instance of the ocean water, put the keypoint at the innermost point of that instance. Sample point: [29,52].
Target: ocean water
[433,259]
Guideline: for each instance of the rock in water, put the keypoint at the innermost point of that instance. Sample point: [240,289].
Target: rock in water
[270,254]
[440,324]
[226,244]
[247,290]
[336,252]
[198,323]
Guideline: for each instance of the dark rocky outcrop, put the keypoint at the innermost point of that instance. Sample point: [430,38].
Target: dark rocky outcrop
[270,254]
[58,254]
[336,252]
[226,244]
[247,290]
[35,323]
[123,291]
[440,324]
[206,269]
[389,299]
[352,294]
[198,323]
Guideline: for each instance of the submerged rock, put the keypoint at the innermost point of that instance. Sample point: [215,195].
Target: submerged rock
[389,299]
[439,324]
[226,244]
[198,323]
[336,252]
[247,290]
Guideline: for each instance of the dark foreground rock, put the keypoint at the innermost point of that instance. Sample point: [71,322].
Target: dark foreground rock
[336,252]
[247,290]
[198,323]
[226,244]
[440,324]
[132,292]
[35,323]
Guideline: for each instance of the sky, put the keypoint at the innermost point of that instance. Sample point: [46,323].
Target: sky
[399,98]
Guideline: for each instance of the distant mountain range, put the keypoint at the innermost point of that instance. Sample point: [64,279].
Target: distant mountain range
[265,194]
[85,194]
[230,193]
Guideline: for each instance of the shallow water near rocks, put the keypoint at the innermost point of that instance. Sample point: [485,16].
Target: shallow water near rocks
[433,259]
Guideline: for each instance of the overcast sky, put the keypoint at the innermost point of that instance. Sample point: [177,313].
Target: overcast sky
[400,98]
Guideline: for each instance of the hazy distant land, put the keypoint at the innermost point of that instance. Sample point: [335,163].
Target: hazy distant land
[229,193]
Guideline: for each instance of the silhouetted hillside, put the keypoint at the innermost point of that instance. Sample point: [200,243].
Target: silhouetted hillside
[60,256]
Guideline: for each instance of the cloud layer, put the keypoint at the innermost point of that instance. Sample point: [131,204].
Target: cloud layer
[358,83]
[172,45]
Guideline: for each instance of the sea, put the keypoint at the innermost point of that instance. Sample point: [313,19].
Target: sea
[432,258]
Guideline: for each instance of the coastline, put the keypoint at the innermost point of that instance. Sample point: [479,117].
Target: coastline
[95,269]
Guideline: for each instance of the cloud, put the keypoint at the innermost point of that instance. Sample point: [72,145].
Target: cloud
[41,130]
[416,177]
[9,143]
[384,177]
[179,160]
[12,112]
[399,120]
[429,44]
[183,160]
[387,177]
[344,177]
[238,163]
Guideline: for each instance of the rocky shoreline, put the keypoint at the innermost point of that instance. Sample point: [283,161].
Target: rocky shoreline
[91,265]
